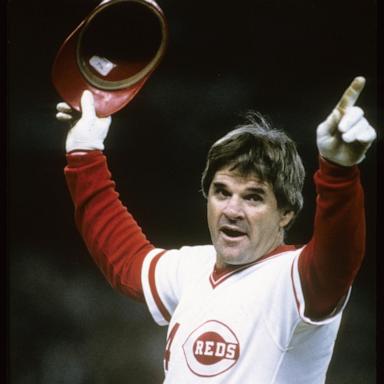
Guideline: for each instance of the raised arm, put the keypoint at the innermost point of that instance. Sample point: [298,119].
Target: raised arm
[329,263]
[112,236]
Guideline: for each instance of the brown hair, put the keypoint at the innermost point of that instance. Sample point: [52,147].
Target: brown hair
[255,147]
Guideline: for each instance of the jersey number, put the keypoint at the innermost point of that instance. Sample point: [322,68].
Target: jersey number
[167,352]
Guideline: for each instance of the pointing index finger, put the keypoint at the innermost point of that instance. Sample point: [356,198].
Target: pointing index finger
[351,94]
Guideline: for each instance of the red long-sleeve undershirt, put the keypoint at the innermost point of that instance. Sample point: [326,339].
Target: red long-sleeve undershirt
[112,236]
[327,265]
[330,261]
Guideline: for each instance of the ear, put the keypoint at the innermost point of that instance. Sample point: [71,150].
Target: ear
[286,217]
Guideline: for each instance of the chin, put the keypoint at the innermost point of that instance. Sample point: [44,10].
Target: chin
[232,256]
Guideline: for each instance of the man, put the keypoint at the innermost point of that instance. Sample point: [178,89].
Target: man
[249,308]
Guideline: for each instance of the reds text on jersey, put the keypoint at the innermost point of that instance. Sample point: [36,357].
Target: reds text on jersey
[246,325]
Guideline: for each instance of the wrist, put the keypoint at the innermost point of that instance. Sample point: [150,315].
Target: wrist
[342,161]
[326,160]
[336,170]
[81,152]
[82,146]
[75,160]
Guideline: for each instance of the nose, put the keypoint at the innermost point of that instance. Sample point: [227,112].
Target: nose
[233,210]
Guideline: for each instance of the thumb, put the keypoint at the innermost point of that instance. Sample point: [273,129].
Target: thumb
[87,104]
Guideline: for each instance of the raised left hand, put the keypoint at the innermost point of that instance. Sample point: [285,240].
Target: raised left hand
[345,136]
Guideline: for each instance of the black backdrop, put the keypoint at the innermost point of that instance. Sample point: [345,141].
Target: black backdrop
[290,60]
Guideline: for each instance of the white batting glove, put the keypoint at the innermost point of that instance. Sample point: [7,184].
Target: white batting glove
[345,136]
[90,131]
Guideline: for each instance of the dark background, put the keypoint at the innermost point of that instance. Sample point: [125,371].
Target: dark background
[290,60]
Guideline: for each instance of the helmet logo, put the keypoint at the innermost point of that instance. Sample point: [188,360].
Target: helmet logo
[101,64]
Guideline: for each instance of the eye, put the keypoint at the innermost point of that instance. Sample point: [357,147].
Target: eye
[221,192]
[253,198]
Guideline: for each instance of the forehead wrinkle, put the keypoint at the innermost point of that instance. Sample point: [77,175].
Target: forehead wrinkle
[252,182]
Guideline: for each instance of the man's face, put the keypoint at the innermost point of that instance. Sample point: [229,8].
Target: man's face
[243,218]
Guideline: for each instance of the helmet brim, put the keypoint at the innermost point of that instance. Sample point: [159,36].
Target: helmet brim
[70,79]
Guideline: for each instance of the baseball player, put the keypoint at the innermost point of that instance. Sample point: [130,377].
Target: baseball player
[248,308]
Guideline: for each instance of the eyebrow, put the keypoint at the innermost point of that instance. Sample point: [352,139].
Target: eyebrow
[260,190]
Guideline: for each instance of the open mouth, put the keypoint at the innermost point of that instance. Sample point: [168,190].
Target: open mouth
[232,232]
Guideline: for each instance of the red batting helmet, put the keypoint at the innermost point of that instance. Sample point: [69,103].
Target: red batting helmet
[112,53]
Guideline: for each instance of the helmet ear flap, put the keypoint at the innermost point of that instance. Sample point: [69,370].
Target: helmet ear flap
[112,53]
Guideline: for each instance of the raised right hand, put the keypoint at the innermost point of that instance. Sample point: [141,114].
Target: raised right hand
[89,131]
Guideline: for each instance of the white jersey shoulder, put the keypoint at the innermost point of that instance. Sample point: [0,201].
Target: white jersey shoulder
[166,274]
[243,326]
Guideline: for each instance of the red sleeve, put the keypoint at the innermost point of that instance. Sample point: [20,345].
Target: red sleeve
[112,236]
[331,260]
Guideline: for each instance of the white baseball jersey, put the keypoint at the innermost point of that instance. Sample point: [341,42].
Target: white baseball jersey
[246,326]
